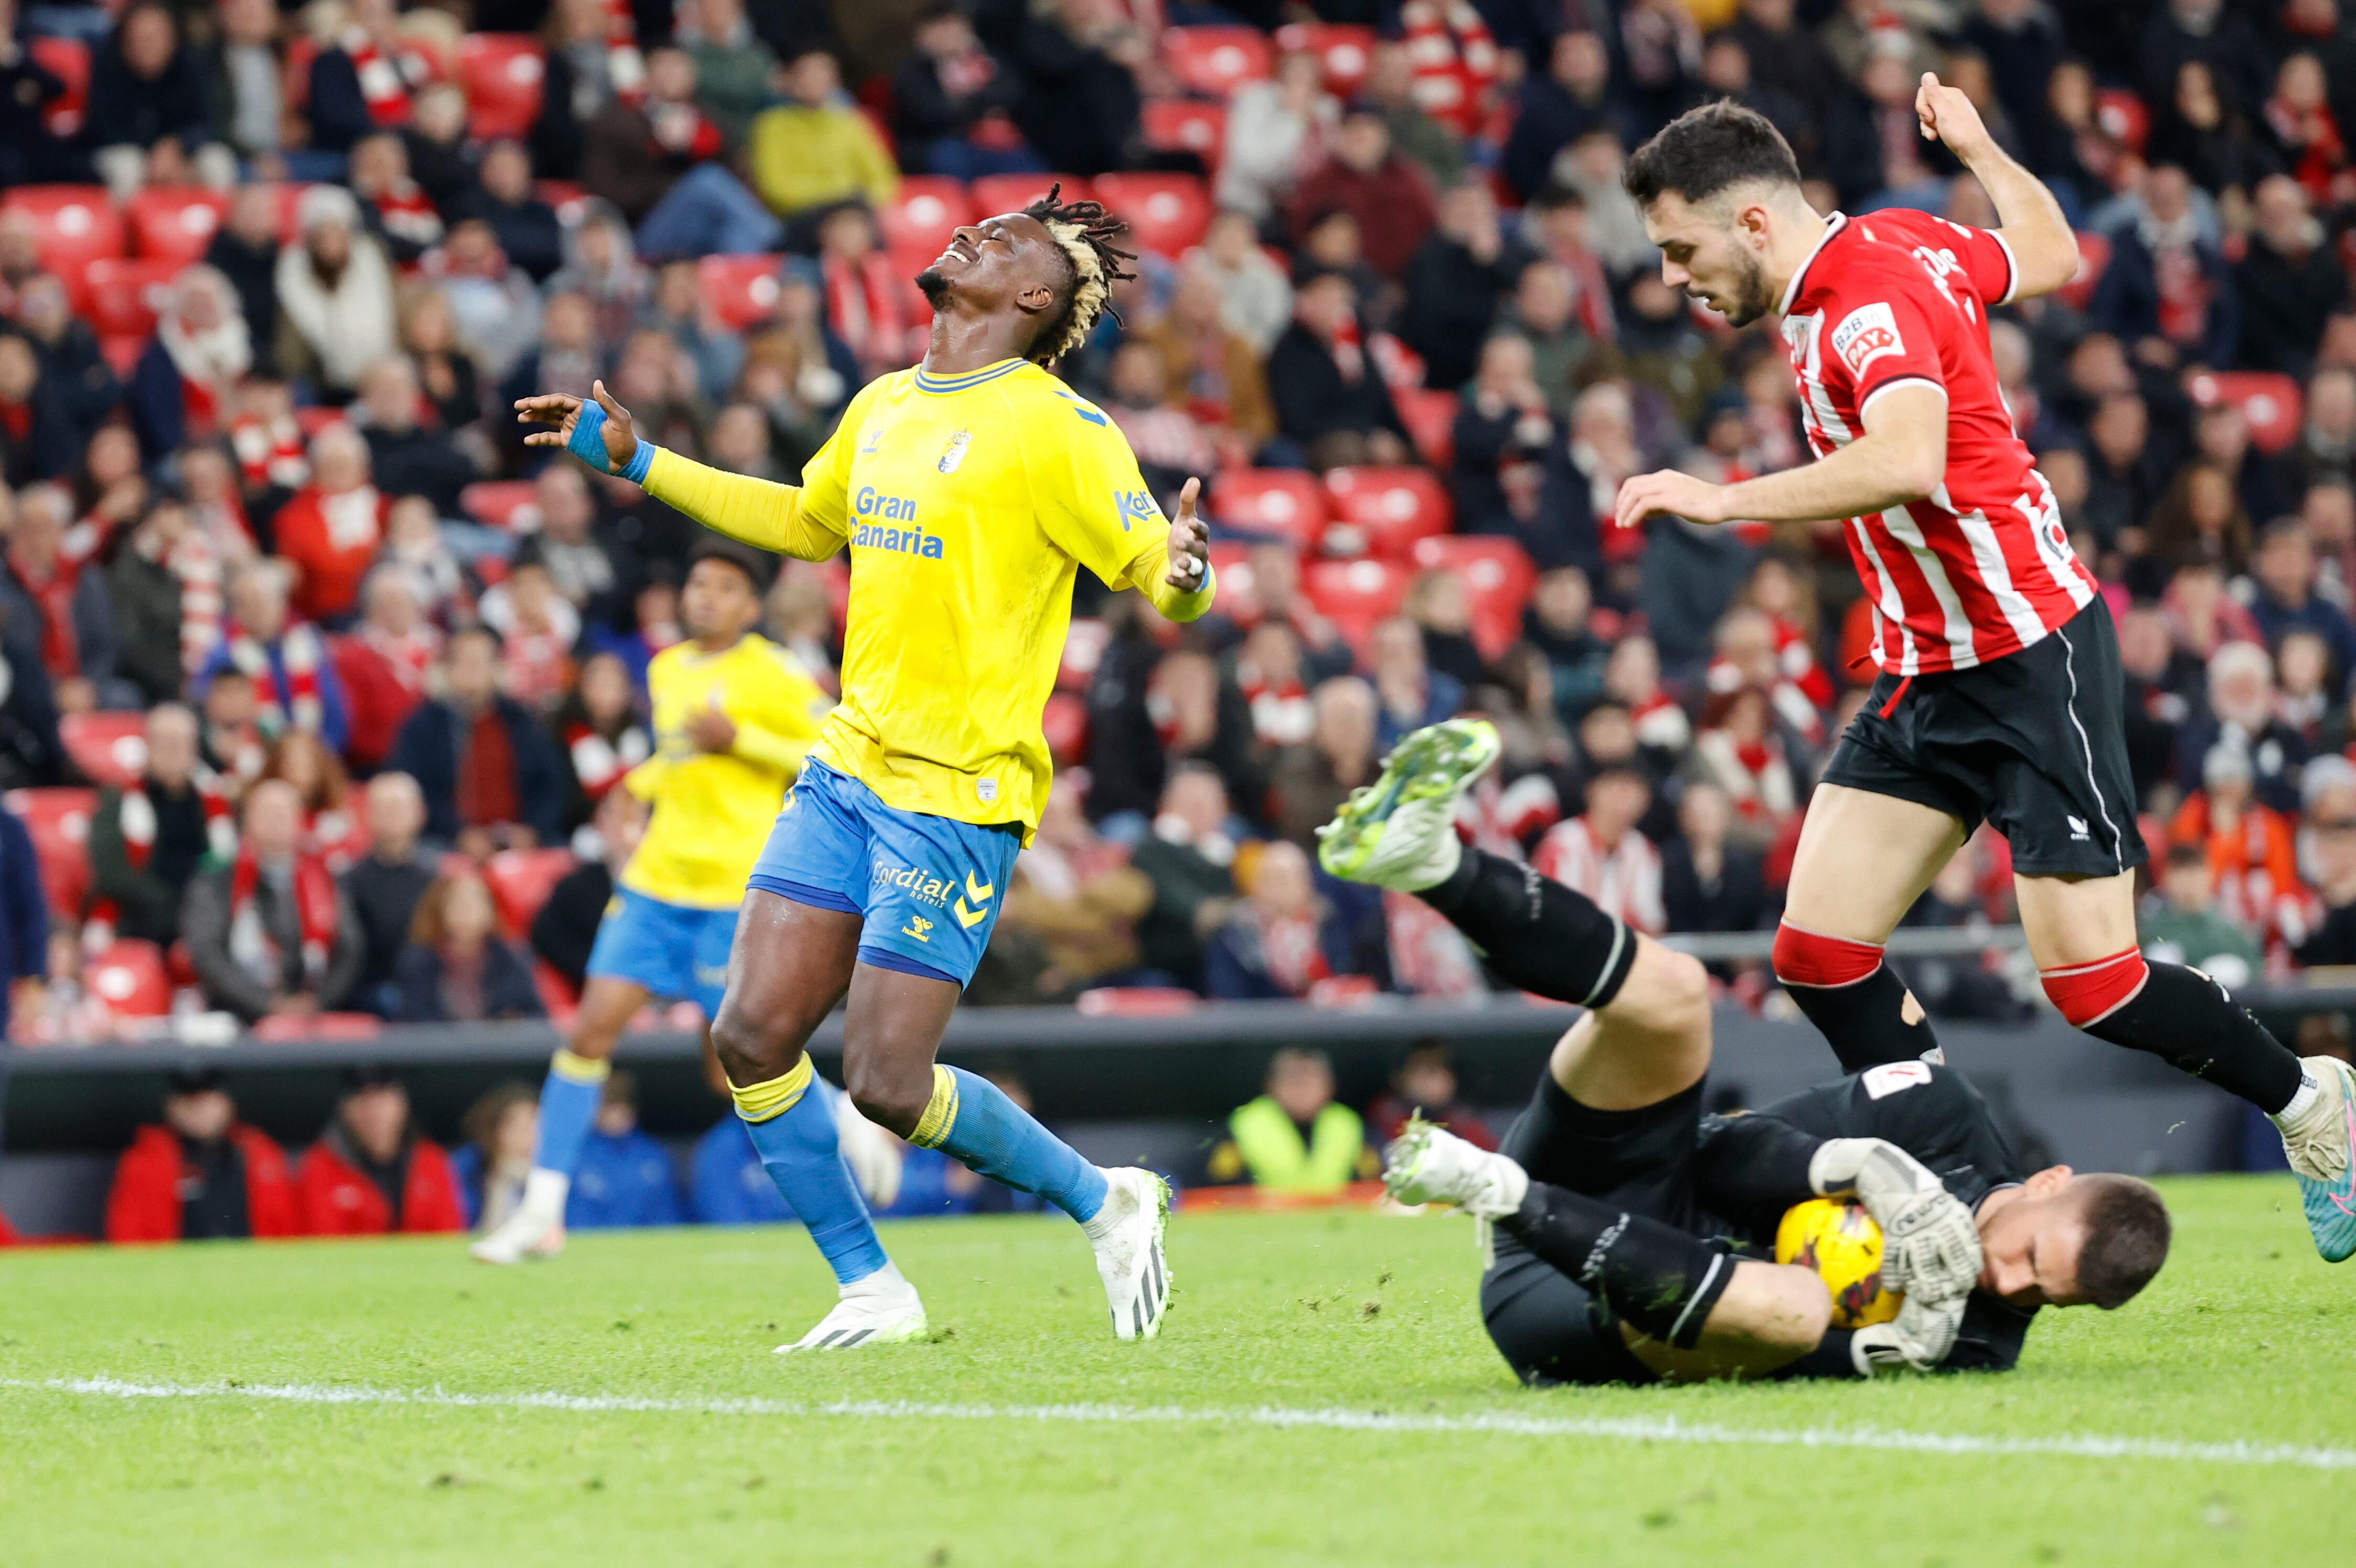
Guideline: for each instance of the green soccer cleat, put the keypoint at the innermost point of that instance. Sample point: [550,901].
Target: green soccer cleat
[1428,1164]
[1400,831]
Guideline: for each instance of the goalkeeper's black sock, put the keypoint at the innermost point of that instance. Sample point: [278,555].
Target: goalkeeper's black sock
[1538,934]
[1650,1274]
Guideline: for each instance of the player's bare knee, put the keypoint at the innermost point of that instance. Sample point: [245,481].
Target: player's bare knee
[1794,1311]
[1667,992]
[886,1094]
[748,1053]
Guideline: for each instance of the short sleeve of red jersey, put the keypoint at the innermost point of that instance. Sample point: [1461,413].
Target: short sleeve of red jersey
[1986,259]
[1882,335]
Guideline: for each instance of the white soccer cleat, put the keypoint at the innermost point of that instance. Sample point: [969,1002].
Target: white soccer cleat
[1430,1165]
[890,1314]
[1400,831]
[1127,1234]
[536,1228]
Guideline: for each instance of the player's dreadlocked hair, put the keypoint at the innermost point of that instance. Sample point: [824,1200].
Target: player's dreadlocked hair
[1084,232]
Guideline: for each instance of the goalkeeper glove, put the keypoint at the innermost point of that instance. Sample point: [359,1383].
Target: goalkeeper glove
[1930,1244]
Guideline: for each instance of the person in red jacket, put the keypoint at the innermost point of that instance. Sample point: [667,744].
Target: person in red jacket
[370,1174]
[201,1175]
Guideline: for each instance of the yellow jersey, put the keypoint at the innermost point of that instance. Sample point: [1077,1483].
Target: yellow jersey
[712,810]
[968,503]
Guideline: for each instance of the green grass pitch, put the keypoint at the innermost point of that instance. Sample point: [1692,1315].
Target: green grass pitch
[1241,1436]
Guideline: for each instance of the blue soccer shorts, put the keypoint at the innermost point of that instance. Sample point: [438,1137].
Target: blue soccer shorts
[672,950]
[928,887]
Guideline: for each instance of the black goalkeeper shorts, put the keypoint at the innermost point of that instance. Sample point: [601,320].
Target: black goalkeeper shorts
[2033,742]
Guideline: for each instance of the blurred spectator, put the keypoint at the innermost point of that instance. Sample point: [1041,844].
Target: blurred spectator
[1308,782]
[364,74]
[77,388]
[200,1175]
[1364,176]
[1269,673]
[383,662]
[2167,280]
[1212,370]
[2306,133]
[2251,854]
[638,152]
[1425,1086]
[335,294]
[525,226]
[586,565]
[1079,897]
[1295,1139]
[1545,315]
[1078,61]
[1254,292]
[1186,854]
[456,969]
[2211,139]
[625,1179]
[815,149]
[2285,600]
[1330,398]
[383,886]
[148,841]
[1503,430]
[1426,93]
[490,1168]
[1277,129]
[1441,604]
[2207,31]
[1708,883]
[2124,476]
[1738,747]
[733,67]
[1573,97]
[2221,437]
[1170,446]
[602,731]
[491,773]
[498,316]
[865,293]
[1412,692]
[2180,924]
[2288,280]
[2332,834]
[269,934]
[28,151]
[1600,854]
[1280,941]
[370,1173]
[146,109]
[440,153]
[448,379]
[1455,283]
[181,388]
[949,103]
[2242,719]
[408,456]
[537,626]
[329,531]
[394,208]
[65,597]
[566,927]
[2326,452]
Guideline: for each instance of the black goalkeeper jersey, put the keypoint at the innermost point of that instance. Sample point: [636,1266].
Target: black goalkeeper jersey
[1753,1165]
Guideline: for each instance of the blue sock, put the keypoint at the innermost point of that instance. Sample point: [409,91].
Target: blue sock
[972,1119]
[568,1104]
[793,1131]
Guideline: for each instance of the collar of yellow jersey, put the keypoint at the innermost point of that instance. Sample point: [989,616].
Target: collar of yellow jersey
[970,379]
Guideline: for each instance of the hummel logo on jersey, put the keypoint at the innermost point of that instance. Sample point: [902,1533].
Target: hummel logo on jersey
[2078,830]
[870,441]
[917,926]
[979,894]
[1865,335]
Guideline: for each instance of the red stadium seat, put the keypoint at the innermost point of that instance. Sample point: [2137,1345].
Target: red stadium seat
[58,821]
[2271,403]
[1429,416]
[1498,572]
[68,59]
[570,198]
[500,73]
[121,350]
[1186,125]
[1212,60]
[175,223]
[129,977]
[1084,646]
[122,295]
[74,225]
[1166,213]
[921,216]
[496,502]
[996,193]
[110,749]
[2093,256]
[520,881]
[2121,116]
[1239,597]
[556,993]
[741,289]
[1280,502]
[1064,721]
[1134,1001]
[1388,508]
[1354,594]
[1344,52]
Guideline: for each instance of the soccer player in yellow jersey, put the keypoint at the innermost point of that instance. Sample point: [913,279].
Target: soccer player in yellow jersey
[969,491]
[735,714]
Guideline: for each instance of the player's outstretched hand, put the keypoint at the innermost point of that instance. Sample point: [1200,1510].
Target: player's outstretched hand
[1917,1341]
[563,410]
[1948,116]
[1190,541]
[1669,494]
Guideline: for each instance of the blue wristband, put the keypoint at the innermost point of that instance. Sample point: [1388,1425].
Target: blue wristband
[635,470]
[588,444]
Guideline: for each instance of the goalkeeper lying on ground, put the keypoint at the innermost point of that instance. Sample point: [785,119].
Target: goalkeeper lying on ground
[1633,1233]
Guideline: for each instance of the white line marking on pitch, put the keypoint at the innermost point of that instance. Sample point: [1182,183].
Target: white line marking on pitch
[1625,1429]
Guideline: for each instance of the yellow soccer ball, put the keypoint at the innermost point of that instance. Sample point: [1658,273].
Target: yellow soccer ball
[1839,1241]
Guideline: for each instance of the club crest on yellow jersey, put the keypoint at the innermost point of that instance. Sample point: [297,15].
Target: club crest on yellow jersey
[954,453]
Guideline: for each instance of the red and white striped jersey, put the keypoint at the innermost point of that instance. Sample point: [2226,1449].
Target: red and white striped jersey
[1981,567]
[1624,881]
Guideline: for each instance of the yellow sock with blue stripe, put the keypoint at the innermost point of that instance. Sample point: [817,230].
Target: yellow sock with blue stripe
[793,1131]
[972,1119]
[568,1105]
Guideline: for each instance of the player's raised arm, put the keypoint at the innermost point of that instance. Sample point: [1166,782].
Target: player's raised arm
[600,431]
[2034,229]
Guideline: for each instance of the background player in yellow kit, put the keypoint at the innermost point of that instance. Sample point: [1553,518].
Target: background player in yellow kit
[734,716]
[969,491]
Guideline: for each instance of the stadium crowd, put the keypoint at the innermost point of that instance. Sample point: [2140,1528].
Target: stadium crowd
[319,684]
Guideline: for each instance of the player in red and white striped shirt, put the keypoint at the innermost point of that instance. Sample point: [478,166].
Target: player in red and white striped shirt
[2000,686]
